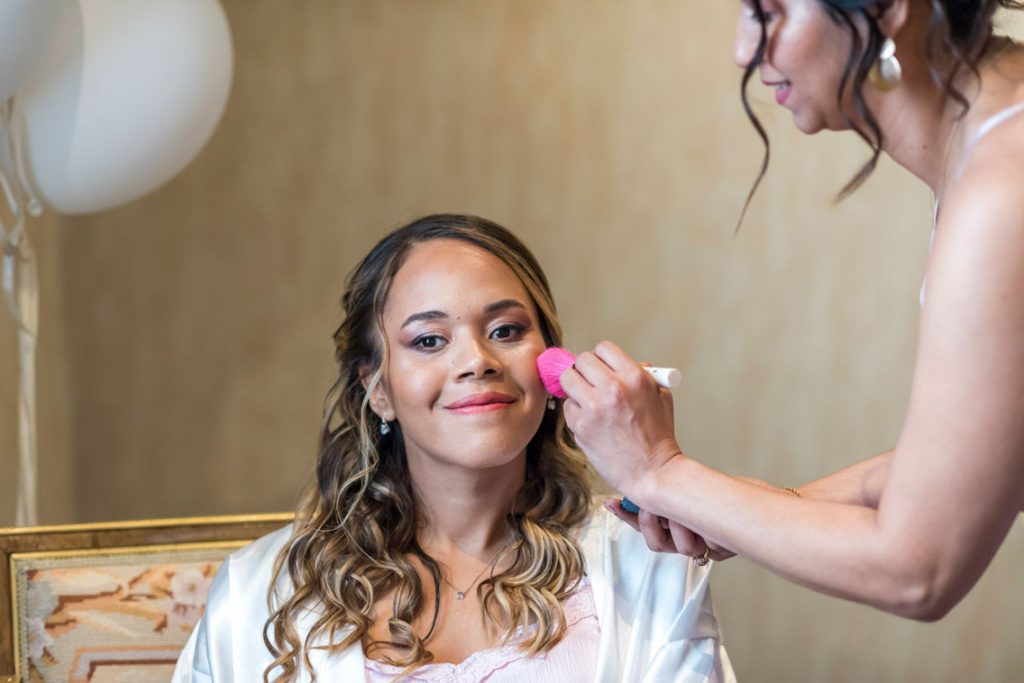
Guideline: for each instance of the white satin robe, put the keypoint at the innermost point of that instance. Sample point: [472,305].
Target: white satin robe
[654,610]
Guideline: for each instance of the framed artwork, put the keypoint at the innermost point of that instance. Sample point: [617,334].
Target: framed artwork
[110,602]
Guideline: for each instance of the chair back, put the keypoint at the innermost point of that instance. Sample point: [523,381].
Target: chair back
[110,602]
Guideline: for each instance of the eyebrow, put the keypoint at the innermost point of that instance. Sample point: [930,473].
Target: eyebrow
[497,306]
[503,305]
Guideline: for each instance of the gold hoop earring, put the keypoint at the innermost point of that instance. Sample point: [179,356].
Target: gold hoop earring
[887,71]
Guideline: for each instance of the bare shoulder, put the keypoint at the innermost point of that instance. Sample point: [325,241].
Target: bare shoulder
[981,222]
[964,428]
[976,271]
[965,423]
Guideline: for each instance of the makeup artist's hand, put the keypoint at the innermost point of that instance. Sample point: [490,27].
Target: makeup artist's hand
[665,536]
[620,417]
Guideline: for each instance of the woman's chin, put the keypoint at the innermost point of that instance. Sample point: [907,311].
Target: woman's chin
[808,125]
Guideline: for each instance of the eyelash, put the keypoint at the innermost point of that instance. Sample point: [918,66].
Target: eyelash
[417,343]
[769,17]
[516,332]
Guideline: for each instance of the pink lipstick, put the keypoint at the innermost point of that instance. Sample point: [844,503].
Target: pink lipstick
[481,403]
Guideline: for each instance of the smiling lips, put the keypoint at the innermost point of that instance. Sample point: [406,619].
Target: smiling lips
[782,90]
[481,403]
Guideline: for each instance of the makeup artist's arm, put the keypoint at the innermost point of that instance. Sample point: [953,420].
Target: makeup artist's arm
[915,556]
[859,484]
[955,483]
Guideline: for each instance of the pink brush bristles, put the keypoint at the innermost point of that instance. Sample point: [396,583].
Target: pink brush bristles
[551,364]
[554,361]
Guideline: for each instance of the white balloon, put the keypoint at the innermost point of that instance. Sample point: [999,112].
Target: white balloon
[128,95]
[26,28]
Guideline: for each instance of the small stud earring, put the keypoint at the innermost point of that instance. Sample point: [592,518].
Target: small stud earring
[551,403]
[385,428]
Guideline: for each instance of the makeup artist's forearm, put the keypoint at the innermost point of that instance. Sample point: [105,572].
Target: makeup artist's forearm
[859,484]
[839,549]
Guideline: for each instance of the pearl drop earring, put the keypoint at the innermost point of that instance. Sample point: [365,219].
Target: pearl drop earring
[887,71]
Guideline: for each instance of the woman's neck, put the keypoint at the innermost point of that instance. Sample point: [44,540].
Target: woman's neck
[927,132]
[466,510]
[919,124]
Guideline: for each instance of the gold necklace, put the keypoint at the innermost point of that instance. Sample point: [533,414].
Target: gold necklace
[461,594]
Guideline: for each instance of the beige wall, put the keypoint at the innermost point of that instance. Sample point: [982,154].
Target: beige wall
[187,339]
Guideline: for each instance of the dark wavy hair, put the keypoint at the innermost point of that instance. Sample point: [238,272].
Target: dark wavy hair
[356,527]
[959,29]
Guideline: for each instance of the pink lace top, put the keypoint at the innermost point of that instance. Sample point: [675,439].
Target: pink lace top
[572,659]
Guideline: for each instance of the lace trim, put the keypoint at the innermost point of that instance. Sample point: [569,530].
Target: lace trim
[576,608]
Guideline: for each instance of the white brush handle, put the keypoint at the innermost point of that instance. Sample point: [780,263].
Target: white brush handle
[669,378]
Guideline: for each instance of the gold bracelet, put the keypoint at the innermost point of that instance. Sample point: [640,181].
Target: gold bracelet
[793,491]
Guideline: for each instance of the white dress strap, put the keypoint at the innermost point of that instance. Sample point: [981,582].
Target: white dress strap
[931,240]
[990,124]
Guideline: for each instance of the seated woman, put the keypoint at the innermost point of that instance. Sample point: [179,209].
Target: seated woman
[451,534]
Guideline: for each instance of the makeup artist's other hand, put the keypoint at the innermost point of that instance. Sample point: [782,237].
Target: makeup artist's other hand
[665,536]
[621,418]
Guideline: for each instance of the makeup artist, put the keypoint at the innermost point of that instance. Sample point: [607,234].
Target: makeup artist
[910,531]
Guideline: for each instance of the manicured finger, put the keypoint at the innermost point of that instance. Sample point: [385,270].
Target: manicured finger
[623,365]
[594,370]
[720,555]
[685,541]
[574,384]
[717,552]
[614,506]
[613,355]
[654,532]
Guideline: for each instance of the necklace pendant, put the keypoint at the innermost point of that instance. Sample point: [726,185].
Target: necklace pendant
[459,595]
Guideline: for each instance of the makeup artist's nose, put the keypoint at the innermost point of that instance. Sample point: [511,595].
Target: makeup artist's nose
[475,359]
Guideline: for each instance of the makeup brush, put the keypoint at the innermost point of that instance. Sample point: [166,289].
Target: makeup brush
[556,360]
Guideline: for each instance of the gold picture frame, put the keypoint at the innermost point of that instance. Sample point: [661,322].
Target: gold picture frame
[30,548]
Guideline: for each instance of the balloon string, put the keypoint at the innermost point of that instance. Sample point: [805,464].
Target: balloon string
[12,237]
[17,126]
[21,294]
[27,511]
